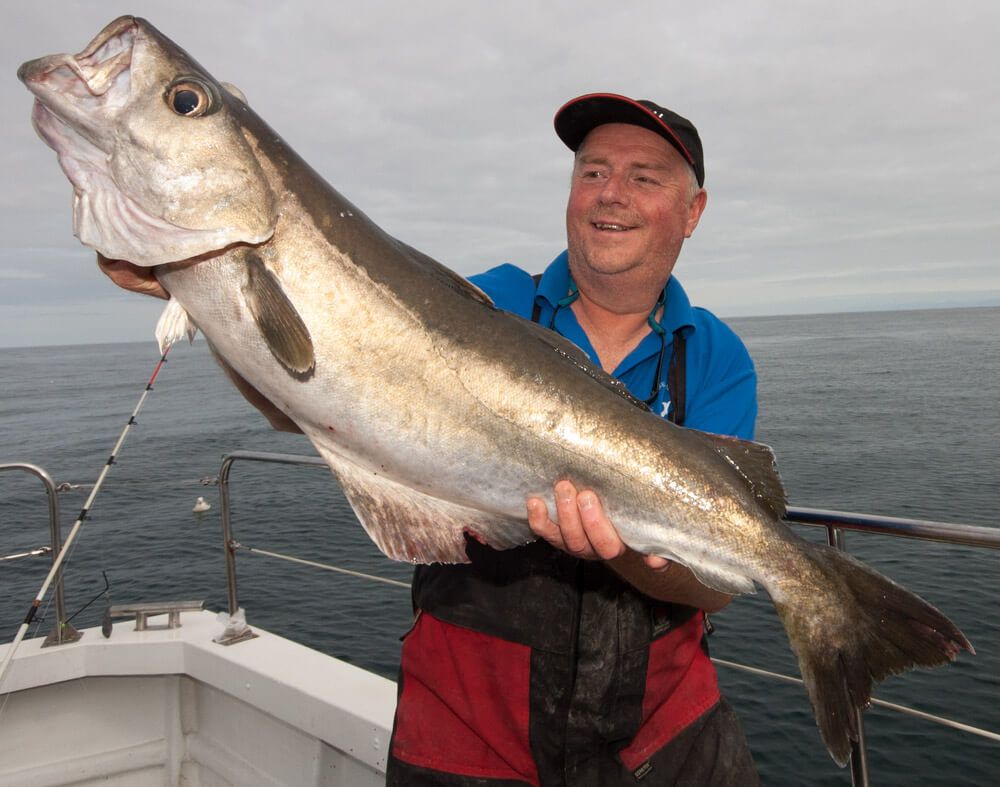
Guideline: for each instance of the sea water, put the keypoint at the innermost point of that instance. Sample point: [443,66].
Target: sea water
[890,413]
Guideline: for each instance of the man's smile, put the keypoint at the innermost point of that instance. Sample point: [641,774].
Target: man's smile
[611,226]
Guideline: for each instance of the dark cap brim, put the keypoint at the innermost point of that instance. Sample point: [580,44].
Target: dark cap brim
[579,116]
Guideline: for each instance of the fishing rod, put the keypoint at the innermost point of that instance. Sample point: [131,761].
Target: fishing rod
[84,512]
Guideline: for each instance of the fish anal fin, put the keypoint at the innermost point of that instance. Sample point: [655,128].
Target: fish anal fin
[755,462]
[721,580]
[411,526]
[283,330]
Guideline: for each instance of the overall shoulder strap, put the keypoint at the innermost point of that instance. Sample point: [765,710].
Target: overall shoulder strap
[676,378]
[536,307]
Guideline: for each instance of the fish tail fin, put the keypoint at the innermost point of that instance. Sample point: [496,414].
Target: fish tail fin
[863,630]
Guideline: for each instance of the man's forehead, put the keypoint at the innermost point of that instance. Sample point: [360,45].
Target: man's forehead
[617,139]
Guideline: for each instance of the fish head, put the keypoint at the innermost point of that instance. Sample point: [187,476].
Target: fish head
[153,146]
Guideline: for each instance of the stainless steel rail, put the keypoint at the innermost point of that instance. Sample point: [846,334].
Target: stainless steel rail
[947,532]
[835,523]
[63,631]
[230,544]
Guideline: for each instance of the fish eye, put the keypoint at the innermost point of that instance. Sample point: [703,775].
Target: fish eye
[191,97]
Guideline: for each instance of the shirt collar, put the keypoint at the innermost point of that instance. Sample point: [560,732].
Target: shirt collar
[555,284]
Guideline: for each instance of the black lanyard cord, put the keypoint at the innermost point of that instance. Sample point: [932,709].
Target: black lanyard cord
[676,373]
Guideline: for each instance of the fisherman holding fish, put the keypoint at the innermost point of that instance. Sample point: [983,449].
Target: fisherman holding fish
[543,664]
[575,660]
[564,660]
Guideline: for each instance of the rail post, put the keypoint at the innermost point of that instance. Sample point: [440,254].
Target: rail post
[63,631]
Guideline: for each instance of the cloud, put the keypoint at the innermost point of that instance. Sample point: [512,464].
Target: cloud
[843,141]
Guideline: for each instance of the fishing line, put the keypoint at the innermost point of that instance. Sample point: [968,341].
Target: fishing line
[106,593]
[84,512]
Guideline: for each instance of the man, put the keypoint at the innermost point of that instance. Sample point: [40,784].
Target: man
[573,661]
[543,665]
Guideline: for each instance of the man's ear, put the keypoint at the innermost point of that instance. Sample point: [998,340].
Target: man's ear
[695,210]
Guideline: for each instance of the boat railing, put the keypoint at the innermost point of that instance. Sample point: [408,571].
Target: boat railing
[836,523]
[63,631]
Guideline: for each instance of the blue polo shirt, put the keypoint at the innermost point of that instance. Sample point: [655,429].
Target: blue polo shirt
[721,384]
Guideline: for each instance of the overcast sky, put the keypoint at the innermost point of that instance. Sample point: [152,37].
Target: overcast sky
[852,148]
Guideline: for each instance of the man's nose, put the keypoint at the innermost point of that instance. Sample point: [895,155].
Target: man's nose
[615,190]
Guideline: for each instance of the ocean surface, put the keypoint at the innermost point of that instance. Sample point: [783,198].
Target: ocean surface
[891,413]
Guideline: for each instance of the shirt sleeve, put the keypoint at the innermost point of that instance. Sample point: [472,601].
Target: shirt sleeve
[511,288]
[722,398]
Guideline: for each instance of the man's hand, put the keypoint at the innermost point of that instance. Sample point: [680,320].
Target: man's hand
[131,277]
[583,530]
[581,527]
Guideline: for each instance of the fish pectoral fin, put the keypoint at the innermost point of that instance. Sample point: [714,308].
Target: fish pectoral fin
[285,333]
[174,324]
[417,528]
[756,463]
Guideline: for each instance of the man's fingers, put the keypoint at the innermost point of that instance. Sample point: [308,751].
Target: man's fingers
[541,525]
[581,527]
[656,562]
[131,277]
[571,528]
[601,534]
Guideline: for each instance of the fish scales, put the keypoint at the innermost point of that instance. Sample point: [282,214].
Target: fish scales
[438,413]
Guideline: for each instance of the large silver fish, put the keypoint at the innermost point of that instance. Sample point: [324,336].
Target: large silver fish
[438,413]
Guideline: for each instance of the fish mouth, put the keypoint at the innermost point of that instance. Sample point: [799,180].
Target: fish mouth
[77,88]
[77,96]
[137,194]
[80,102]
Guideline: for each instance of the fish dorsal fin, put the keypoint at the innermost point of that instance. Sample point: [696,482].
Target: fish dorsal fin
[467,286]
[414,527]
[445,275]
[572,353]
[755,462]
[286,335]
[560,344]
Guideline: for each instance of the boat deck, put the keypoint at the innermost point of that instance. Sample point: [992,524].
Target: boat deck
[170,706]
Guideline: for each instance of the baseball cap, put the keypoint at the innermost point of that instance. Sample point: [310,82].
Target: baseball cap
[579,116]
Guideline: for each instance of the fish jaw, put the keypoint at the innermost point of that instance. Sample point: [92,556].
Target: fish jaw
[148,185]
[86,89]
